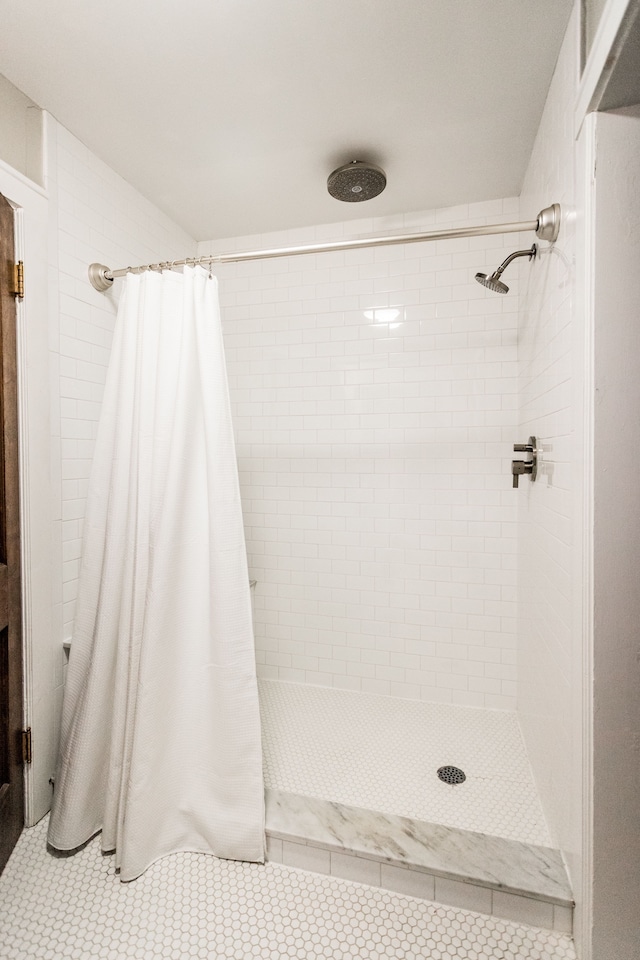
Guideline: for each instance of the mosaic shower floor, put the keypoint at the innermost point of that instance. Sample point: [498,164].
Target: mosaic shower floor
[193,907]
[383,753]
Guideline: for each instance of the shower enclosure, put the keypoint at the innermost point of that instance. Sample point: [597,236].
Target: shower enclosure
[375,394]
[375,406]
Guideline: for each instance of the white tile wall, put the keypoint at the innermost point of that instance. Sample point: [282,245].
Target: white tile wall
[550,636]
[94,216]
[374,400]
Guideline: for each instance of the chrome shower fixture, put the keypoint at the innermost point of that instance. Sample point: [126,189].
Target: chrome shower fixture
[356,181]
[494,282]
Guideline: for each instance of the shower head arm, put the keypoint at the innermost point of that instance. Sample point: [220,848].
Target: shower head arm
[512,256]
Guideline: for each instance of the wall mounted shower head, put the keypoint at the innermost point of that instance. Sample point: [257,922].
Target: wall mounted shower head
[356,181]
[494,282]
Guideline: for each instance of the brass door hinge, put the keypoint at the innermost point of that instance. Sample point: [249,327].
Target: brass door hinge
[18,279]
[26,745]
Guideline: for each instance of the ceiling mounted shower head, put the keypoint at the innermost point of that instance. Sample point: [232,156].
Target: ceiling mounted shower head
[356,181]
[494,282]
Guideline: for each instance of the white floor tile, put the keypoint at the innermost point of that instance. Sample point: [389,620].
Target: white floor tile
[194,907]
[383,753]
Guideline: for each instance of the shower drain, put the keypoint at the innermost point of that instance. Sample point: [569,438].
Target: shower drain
[452,775]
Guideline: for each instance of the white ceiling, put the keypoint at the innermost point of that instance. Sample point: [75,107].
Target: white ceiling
[230,114]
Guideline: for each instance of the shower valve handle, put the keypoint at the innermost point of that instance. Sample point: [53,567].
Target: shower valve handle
[521,467]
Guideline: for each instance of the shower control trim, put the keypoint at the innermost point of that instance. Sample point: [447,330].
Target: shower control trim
[521,467]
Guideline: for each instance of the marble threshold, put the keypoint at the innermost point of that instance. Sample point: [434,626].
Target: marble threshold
[490,874]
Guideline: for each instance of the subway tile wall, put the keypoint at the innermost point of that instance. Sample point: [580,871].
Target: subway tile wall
[94,216]
[374,398]
[551,350]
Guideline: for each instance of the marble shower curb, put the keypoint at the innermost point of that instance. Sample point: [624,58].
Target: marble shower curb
[504,878]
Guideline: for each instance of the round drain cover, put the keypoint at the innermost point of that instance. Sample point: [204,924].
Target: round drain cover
[452,775]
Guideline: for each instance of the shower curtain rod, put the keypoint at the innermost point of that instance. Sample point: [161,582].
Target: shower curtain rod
[546,227]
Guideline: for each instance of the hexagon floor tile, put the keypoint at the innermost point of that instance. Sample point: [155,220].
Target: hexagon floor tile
[191,906]
[383,753]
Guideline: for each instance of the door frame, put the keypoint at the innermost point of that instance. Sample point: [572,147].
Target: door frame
[37,385]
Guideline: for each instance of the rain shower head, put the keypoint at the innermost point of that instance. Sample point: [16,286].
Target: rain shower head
[494,282]
[356,181]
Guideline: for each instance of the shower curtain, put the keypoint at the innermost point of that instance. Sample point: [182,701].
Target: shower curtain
[160,740]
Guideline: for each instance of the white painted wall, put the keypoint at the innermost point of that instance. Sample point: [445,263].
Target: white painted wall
[374,403]
[551,536]
[616,538]
[20,132]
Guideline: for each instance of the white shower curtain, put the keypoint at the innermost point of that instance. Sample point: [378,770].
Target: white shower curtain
[160,744]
